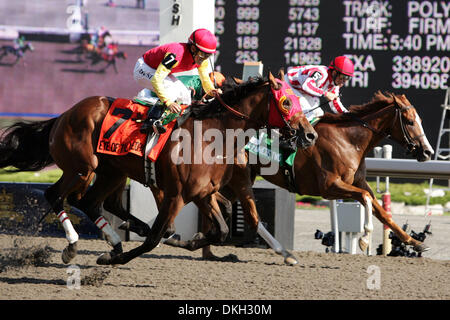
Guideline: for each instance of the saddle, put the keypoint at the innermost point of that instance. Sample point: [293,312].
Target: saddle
[120,132]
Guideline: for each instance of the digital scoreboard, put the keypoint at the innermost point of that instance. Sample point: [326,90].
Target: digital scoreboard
[399,46]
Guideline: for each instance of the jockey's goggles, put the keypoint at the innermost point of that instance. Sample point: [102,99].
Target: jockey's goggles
[343,76]
[203,55]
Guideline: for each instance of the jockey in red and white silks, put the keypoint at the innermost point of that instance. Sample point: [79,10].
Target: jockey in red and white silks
[310,82]
[156,69]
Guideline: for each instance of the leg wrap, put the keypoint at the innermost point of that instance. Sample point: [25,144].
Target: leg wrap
[271,241]
[71,234]
[111,235]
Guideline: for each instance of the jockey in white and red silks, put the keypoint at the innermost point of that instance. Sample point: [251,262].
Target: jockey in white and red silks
[310,82]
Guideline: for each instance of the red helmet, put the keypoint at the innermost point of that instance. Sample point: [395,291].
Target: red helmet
[343,65]
[204,40]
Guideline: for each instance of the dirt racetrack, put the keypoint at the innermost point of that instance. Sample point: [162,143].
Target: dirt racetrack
[31,268]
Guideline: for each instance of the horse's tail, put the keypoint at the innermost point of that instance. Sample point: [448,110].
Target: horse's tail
[25,145]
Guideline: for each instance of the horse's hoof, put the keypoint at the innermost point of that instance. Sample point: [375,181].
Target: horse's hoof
[198,236]
[69,252]
[363,243]
[104,259]
[290,260]
[421,247]
[173,241]
[124,226]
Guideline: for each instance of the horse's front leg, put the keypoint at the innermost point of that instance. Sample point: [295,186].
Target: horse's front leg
[342,190]
[216,228]
[386,219]
[365,242]
[169,210]
[364,194]
[241,183]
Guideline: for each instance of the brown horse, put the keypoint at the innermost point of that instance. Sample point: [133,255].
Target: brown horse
[70,141]
[334,167]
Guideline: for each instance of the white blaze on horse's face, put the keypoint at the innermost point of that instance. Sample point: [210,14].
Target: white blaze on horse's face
[426,143]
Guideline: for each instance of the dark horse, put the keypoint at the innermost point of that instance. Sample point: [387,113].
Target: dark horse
[334,167]
[17,52]
[70,141]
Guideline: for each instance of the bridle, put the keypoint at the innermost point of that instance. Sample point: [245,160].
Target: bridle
[409,140]
[243,116]
[290,135]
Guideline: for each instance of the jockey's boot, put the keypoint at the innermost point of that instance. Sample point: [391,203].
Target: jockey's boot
[158,127]
[153,121]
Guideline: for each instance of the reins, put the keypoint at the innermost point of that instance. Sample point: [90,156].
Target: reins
[243,116]
[409,140]
[232,110]
[364,124]
[239,114]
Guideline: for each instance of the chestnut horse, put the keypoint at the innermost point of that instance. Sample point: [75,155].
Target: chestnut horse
[334,168]
[70,141]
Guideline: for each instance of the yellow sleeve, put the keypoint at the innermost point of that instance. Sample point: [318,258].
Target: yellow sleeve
[157,81]
[204,77]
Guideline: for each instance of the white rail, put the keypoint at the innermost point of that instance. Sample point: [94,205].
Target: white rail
[407,168]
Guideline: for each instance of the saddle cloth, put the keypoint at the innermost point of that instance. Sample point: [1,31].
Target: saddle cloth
[261,145]
[120,133]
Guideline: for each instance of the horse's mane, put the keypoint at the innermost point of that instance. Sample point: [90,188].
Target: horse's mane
[378,101]
[232,94]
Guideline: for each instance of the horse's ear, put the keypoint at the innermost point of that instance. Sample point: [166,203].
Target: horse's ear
[395,99]
[281,74]
[273,83]
[237,80]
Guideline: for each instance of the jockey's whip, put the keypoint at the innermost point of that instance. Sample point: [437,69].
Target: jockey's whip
[211,62]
